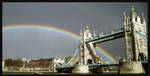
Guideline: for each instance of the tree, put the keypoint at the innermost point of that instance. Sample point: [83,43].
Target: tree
[8,62]
[13,63]
[44,64]
[18,63]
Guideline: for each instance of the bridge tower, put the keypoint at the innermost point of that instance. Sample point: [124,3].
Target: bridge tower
[84,51]
[87,50]
[136,43]
[135,36]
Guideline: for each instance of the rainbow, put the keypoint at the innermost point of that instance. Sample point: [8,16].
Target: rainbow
[62,31]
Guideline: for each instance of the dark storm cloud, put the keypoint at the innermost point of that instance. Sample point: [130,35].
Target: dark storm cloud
[68,16]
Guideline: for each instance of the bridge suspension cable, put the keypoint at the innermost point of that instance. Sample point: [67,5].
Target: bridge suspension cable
[75,54]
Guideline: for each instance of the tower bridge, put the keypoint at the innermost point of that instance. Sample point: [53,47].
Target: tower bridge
[134,32]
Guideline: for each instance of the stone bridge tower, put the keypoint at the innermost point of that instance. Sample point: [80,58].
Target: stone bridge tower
[87,50]
[135,36]
[136,44]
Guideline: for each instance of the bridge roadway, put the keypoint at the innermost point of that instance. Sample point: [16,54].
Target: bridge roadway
[107,36]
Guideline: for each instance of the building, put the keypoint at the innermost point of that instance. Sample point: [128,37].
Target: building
[58,60]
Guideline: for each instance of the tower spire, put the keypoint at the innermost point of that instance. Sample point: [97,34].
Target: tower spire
[133,9]
[94,33]
[80,33]
[133,14]
[124,18]
[143,19]
[124,15]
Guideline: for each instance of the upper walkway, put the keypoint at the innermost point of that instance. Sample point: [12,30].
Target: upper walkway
[115,34]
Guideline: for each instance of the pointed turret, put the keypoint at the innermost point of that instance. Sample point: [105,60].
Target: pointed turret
[124,18]
[87,27]
[143,19]
[81,34]
[124,15]
[144,23]
[94,33]
[133,9]
[133,12]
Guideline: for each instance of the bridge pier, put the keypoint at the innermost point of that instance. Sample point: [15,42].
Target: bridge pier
[82,69]
[131,67]
[136,44]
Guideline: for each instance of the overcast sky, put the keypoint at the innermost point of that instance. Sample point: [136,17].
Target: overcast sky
[37,43]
